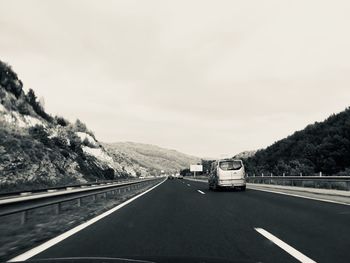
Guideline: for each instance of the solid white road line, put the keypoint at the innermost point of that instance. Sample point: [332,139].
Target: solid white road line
[199,191]
[34,251]
[290,250]
[300,196]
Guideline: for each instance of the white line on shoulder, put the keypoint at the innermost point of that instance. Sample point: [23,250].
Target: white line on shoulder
[300,196]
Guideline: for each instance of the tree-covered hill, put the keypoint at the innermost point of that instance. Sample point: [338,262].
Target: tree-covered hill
[320,147]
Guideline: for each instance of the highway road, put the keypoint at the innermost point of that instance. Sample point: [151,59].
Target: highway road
[182,219]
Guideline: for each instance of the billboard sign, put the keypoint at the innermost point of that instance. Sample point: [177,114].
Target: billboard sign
[196,168]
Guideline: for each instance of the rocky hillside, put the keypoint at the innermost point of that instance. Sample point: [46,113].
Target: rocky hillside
[38,150]
[151,157]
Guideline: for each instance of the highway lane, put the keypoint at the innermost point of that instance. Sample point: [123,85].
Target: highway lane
[184,219]
[320,230]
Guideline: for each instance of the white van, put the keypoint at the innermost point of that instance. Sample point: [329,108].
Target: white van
[227,173]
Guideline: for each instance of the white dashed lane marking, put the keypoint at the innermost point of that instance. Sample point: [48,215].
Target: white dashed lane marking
[290,250]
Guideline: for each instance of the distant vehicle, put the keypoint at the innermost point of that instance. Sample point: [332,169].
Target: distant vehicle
[227,173]
[180,176]
[170,177]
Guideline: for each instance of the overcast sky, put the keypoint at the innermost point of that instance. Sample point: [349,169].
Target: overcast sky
[203,77]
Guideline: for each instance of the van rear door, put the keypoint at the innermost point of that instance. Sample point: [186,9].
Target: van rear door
[231,169]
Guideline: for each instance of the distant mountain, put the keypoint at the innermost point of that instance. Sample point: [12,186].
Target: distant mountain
[38,150]
[320,147]
[151,157]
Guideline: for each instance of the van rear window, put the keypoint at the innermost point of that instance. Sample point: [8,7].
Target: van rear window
[230,165]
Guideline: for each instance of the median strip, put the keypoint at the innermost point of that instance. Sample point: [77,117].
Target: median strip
[290,250]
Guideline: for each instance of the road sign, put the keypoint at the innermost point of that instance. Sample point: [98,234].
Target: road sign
[196,168]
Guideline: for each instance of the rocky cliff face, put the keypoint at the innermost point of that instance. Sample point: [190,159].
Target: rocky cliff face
[38,150]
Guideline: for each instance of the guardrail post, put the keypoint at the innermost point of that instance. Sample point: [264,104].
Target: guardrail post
[94,198]
[105,195]
[24,217]
[57,208]
[79,202]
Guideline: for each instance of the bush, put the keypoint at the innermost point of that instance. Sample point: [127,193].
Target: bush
[37,107]
[65,153]
[346,172]
[9,80]
[75,142]
[80,126]
[59,142]
[23,108]
[61,121]
[88,143]
[39,133]
[2,94]
[109,174]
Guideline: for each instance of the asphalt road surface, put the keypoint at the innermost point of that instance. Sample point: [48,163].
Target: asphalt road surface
[181,218]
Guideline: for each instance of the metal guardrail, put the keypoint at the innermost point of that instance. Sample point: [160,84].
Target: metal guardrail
[22,204]
[323,182]
[62,187]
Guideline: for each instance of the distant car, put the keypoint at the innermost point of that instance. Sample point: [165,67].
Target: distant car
[170,177]
[180,176]
[227,173]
